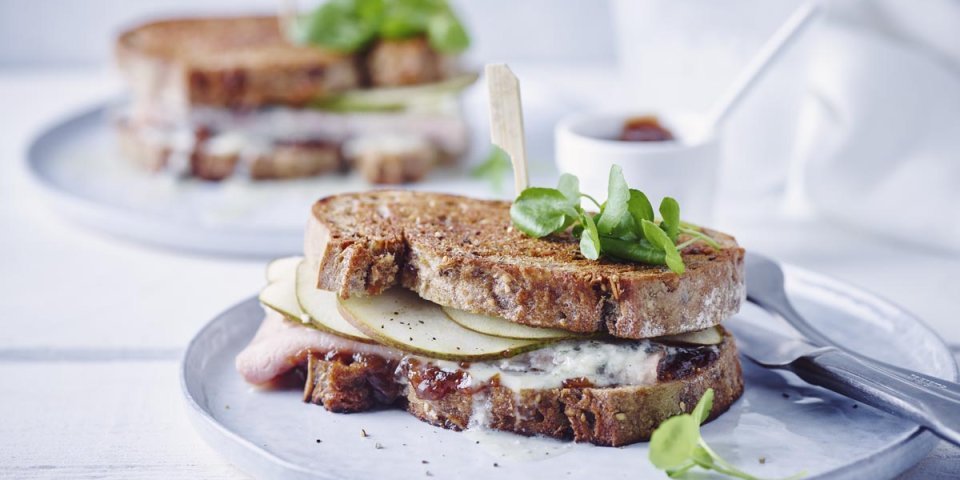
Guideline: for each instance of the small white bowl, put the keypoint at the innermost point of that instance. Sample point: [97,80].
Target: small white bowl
[684,168]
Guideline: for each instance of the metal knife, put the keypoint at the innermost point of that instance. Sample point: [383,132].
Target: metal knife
[765,288]
[848,375]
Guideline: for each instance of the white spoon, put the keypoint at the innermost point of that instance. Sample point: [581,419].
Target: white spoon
[771,51]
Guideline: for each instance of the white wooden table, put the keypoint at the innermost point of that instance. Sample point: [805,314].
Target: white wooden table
[93,327]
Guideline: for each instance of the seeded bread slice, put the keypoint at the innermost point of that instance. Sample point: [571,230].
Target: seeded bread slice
[464,253]
[611,416]
[228,62]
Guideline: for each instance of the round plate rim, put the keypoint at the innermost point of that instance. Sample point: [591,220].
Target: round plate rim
[115,219]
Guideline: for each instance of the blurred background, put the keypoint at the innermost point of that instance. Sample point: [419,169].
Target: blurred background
[651,55]
[856,124]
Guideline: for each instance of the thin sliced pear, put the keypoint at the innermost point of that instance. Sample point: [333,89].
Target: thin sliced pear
[707,336]
[321,305]
[396,98]
[500,327]
[400,319]
[281,296]
[283,268]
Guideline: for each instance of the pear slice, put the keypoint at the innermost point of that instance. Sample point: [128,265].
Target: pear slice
[282,297]
[395,98]
[707,336]
[282,268]
[399,318]
[500,327]
[320,305]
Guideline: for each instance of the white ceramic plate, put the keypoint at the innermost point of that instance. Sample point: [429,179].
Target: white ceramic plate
[792,426]
[77,163]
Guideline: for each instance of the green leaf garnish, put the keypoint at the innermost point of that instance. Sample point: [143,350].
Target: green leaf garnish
[494,168]
[569,186]
[633,251]
[538,212]
[670,212]
[340,25]
[640,209]
[589,238]
[615,208]
[676,446]
[624,228]
[405,19]
[702,411]
[350,25]
[697,234]
[659,239]
[673,442]
[446,34]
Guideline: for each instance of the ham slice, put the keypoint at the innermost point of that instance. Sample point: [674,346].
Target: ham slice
[282,345]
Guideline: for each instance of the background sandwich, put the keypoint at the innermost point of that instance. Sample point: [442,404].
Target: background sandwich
[258,97]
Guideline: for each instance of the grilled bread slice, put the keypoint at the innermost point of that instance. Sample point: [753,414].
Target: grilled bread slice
[244,62]
[228,62]
[613,416]
[464,253]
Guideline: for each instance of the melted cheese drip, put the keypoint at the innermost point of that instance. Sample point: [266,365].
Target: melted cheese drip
[601,363]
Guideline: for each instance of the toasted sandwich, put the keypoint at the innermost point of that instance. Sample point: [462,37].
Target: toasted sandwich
[218,97]
[439,305]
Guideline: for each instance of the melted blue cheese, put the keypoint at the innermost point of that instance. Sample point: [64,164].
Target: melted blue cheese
[601,363]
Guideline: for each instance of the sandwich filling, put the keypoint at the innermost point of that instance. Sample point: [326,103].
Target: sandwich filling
[282,345]
[332,140]
[215,98]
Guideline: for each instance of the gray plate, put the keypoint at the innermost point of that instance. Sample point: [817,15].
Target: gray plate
[77,164]
[792,426]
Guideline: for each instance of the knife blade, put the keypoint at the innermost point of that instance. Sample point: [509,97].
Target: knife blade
[766,346]
[848,375]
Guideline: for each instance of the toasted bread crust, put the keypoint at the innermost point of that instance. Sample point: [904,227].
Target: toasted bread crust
[611,416]
[408,61]
[242,62]
[464,253]
[228,62]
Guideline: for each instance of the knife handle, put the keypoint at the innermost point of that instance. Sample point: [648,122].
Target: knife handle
[858,379]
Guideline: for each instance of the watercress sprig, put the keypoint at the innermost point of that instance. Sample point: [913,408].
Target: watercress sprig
[350,25]
[676,446]
[624,227]
[494,168]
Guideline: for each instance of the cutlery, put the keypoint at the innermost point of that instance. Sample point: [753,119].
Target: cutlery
[765,288]
[848,375]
